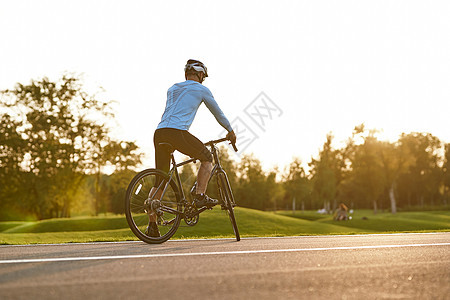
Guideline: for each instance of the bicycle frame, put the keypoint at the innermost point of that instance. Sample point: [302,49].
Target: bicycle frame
[174,172]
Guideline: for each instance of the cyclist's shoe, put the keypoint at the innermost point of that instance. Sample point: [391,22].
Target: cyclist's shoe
[201,200]
[152,230]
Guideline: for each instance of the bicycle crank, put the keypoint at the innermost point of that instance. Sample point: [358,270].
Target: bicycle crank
[191,215]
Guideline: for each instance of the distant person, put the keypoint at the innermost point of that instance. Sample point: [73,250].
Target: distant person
[183,101]
[341,214]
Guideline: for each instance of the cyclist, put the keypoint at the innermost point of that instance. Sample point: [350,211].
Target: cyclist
[183,101]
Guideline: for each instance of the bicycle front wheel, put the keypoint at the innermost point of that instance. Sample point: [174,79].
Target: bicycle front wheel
[228,201]
[166,210]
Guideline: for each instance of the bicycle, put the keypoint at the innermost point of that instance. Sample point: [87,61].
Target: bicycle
[173,205]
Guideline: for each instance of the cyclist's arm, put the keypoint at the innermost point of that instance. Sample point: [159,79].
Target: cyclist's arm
[214,108]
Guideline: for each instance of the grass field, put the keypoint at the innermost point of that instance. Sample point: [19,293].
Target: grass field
[215,224]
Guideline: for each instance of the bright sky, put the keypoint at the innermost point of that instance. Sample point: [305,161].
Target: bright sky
[326,66]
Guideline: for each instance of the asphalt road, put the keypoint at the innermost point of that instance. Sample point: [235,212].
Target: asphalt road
[397,266]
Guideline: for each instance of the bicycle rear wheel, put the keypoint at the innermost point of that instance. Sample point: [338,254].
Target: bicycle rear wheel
[228,201]
[168,209]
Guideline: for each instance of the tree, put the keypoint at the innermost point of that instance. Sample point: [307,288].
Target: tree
[446,174]
[296,184]
[326,174]
[365,179]
[395,160]
[255,188]
[424,176]
[107,152]
[274,188]
[117,187]
[11,149]
[52,138]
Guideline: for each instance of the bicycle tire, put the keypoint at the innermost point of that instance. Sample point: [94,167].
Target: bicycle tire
[228,200]
[138,219]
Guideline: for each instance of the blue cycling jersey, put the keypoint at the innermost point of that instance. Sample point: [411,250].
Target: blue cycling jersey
[183,101]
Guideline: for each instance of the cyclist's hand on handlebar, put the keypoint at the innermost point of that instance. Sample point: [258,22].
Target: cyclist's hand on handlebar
[232,137]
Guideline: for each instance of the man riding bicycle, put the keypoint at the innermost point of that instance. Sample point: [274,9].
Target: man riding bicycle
[183,101]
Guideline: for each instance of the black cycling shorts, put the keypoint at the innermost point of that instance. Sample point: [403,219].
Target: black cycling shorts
[182,141]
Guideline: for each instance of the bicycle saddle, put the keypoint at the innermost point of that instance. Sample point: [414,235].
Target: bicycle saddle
[167,147]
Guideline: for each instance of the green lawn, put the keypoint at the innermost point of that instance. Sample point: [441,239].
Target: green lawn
[215,224]
[366,221]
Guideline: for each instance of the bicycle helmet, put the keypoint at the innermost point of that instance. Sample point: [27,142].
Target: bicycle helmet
[195,65]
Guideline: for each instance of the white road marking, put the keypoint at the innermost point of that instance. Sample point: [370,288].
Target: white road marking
[60,259]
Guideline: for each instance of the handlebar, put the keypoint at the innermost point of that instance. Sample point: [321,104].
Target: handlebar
[213,142]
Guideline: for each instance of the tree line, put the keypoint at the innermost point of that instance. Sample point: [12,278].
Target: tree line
[410,173]
[55,145]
